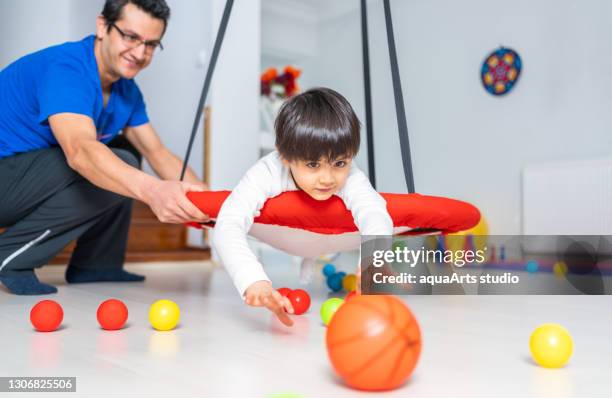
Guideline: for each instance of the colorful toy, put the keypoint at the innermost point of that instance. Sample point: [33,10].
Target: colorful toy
[46,316]
[334,282]
[500,71]
[551,345]
[398,244]
[300,299]
[560,269]
[164,315]
[350,295]
[284,291]
[474,238]
[283,85]
[329,270]
[373,342]
[349,282]
[329,308]
[532,266]
[112,314]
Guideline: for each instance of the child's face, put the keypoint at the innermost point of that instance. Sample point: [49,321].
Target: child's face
[322,178]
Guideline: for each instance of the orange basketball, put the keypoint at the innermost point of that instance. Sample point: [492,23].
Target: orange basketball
[374,342]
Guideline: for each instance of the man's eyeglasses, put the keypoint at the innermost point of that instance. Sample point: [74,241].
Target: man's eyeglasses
[133,41]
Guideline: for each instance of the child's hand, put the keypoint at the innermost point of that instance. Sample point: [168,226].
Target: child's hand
[262,294]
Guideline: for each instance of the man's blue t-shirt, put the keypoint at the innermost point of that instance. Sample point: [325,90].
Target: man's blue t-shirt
[60,79]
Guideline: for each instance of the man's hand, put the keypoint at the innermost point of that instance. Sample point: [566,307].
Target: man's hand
[168,200]
[262,294]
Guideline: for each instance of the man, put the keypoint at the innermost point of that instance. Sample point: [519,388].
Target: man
[59,180]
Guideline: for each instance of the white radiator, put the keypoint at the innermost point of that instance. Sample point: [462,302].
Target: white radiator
[568,198]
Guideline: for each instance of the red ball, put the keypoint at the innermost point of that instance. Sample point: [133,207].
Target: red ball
[46,316]
[350,295]
[284,291]
[112,314]
[300,300]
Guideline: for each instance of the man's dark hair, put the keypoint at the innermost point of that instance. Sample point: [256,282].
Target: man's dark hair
[319,123]
[156,8]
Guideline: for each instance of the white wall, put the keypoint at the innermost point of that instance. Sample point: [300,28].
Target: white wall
[235,95]
[83,18]
[289,36]
[288,29]
[172,83]
[465,143]
[30,25]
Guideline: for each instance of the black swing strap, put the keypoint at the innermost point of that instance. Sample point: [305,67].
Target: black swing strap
[368,93]
[399,102]
[209,72]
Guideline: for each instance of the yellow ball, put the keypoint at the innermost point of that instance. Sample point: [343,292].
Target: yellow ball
[551,345]
[480,229]
[164,315]
[349,283]
[479,232]
[560,269]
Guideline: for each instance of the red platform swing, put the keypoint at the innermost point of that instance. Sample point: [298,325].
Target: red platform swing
[302,226]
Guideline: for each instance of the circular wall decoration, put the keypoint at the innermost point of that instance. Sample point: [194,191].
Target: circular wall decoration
[500,71]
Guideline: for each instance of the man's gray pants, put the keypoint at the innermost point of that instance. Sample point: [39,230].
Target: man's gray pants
[45,205]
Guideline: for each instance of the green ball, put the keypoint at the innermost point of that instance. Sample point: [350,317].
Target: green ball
[329,308]
[398,244]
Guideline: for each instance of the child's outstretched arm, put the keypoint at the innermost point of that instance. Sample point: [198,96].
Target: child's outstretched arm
[369,211]
[229,238]
[368,207]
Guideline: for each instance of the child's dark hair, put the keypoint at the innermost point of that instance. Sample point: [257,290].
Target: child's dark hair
[319,123]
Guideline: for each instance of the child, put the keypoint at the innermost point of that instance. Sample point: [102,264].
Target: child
[317,137]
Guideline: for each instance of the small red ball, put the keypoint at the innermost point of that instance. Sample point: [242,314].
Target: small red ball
[46,316]
[112,314]
[300,300]
[284,291]
[350,295]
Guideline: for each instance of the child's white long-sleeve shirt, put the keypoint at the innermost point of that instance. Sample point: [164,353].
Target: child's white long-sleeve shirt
[267,179]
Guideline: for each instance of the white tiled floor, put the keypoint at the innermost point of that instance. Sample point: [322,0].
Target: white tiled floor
[473,346]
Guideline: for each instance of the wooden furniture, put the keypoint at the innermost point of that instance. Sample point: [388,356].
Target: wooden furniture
[150,240]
